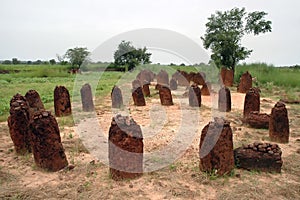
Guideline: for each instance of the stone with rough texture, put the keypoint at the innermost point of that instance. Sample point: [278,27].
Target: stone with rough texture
[125,148]
[136,83]
[163,78]
[264,157]
[258,120]
[87,98]
[252,101]
[216,148]
[197,78]
[224,103]
[245,83]
[173,84]
[138,97]
[182,78]
[146,90]
[165,96]
[62,103]
[116,97]
[34,101]
[227,76]
[18,123]
[47,148]
[206,89]
[145,76]
[194,96]
[279,130]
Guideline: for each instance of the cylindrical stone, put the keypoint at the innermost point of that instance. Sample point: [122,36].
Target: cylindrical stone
[206,89]
[173,84]
[47,148]
[125,148]
[34,100]
[165,96]
[163,78]
[245,83]
[194,96]
[146,90]
[87,98]
[216,148]
[252,101]
[138,97]
[116,97]
[279,130]
[224,102]
[62,103]
[18,123]
[227,76]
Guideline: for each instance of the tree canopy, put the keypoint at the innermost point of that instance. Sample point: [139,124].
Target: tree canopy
[128,55]
[225,31]
[77,55]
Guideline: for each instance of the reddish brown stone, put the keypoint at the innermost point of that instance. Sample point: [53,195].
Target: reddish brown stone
[18,123]
[47,148]
[138,97]
[258,120]
[224,102]
[163,78]
[145,76]
[227,76]
[182,78]
[34,100]
[136,83]
[245,83]
[146,90]
[116,97]
[125,148]
[165,96]
[87,98]
[264,157]
[62,103]
[194,96]
[279,130]
[173,84]
[216,148]
[252,101]
[206,89]
[198,78]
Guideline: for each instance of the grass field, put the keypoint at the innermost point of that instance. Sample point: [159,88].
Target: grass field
[44,78]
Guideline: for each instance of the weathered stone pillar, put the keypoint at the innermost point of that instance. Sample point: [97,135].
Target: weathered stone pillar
[125,148]
[62,103]
[279,130]
[87,98]
[146,89]
[216,148]
[227,76]
[18,123]
[162,78]
[165,96]
[224,100]
[194,96]
[245,83]
[47,148]
[252,101]
[116,97]
[206,89]
[173,84]
[34,101]
[138,97]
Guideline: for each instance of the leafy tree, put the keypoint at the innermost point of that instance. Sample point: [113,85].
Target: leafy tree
[15,61]
[77,56]
[7,62]
[52,61]
[128,55]
[225,31]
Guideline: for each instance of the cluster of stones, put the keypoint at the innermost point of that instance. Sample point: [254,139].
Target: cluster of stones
[259,156]
[125,148]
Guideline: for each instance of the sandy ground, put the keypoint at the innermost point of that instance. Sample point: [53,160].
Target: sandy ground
[171,162]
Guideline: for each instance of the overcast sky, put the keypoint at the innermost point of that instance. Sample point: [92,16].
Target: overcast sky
[40,29]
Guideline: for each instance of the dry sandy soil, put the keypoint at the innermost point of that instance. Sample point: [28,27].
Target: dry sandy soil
[176,178]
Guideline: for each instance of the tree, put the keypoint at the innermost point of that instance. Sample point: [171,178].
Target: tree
[52,62]
[77,56]
[15,61]
[225,31]
[128,55]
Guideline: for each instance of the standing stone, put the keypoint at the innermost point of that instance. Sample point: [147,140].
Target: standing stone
[224,102]
[125,148]
[206,89]
[136,83]
[47,148]
[182,78]
[163,78]
[194,96]
[245,83]
[34,101]
[146,89]
[216,148]
[87,98]
[227,76]
[145,76]
[18,123]
[279,130]
[62,103]
[198,78]
[252,101]
[165,96]
[173,84]
[116,97]
[138,97]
